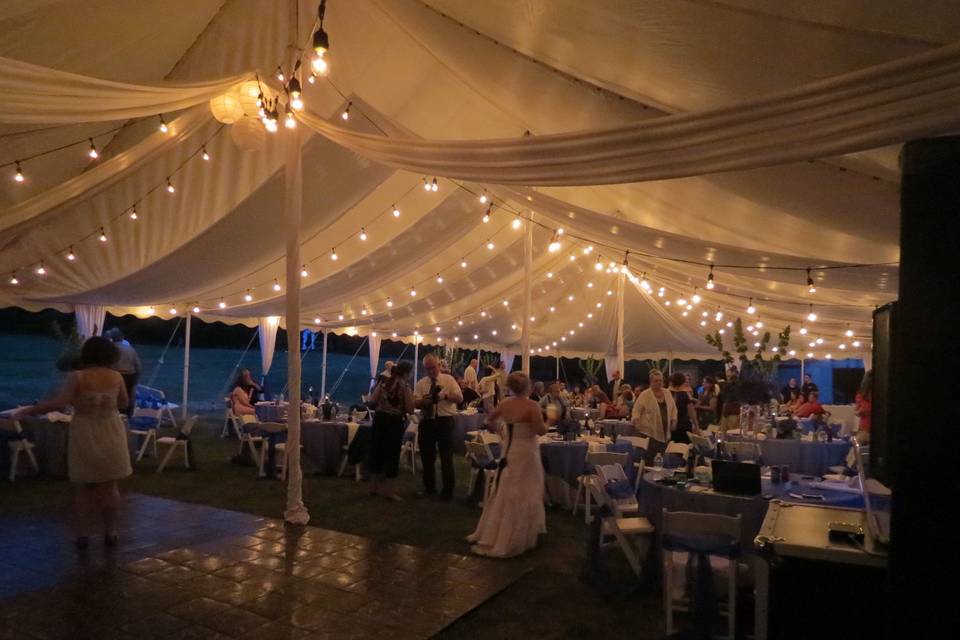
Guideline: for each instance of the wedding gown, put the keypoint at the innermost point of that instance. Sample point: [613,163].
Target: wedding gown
[97,448]
[514,517]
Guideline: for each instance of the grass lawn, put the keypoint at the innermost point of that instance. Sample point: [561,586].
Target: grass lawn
[551,601]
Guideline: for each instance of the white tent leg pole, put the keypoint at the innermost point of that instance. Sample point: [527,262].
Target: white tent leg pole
[323,370]
[558,365]
[296,512]
[527,267]
[186,369]
[620,292]
[416,356]
[803,361]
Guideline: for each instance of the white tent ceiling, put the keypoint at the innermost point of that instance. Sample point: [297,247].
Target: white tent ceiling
[455,69]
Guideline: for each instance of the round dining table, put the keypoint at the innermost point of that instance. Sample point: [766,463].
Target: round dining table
[807,457]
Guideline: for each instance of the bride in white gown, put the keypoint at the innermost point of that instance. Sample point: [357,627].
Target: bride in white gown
[514,517]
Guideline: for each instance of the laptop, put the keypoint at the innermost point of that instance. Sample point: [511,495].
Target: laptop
[876,501]
[742,478]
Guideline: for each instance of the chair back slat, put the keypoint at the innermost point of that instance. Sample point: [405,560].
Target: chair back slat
[695,523]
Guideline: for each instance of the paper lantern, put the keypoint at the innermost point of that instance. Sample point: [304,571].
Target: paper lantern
[248,134]
[226,108]
[249,91]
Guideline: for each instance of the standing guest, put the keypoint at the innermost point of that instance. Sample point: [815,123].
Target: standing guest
[554,398]
[624,403]
[97,441]
[501,371]
[436,395]
[864,407]
[128,365]
[576,397]
[514,518]
[394,399]
[655,414]
[537,392]
[470,375]
[488,389]
[728,400]
[613,386]
[242,397]
[686,408]
[808,386]
[688,386]
[707,403]
[387,369]
[786,392]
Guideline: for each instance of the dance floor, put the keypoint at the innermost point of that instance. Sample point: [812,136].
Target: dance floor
[191,571]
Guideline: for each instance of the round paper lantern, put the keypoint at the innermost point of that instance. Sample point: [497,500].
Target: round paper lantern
[226,108]
[249,91]
[248,134]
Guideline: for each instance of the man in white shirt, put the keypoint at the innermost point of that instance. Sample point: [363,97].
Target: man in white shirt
[436,395]
[128,365]
[470,375]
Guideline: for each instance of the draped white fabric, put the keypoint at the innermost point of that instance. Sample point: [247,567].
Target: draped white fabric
[373,341]
[444,76]
[865,109]
[610,365]
[90,318]
[508,356]
[36,94]
[268,341]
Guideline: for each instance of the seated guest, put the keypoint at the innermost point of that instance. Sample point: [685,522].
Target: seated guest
[554,398]
[811,407]
[864,408]
[787,391]
[576,397]
[794,400]
[624,403]
[537,392]
[470,396]
[241,398]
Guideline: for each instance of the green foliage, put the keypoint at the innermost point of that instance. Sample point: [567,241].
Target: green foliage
[742,347]
[69,358]
[661,365]
[590,367]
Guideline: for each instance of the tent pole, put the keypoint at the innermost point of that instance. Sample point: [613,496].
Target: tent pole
[323,370]
[803,361]
[296,511]
[620,292]
[558,365]
[186,368]
[527,264]
[416,357]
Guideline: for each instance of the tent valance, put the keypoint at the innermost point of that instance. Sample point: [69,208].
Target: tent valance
[880,105]
[38,94]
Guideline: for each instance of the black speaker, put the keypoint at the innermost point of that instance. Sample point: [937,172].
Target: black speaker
[884,395]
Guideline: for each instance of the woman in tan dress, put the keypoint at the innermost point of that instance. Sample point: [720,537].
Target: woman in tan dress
[97,449]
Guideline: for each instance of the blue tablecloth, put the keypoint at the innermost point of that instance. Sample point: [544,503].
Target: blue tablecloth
[462,423]
[612,427]
[579,413]
[654,497]
[269,412]
[804,457]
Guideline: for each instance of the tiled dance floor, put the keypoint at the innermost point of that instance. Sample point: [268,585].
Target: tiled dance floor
[191,571]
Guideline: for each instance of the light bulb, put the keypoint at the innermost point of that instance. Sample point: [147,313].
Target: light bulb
[280,76]
[163,125]
[196,309]
[598,266]
[389,302]
[750,308]
[248,297]
[682,302]
[173,311]
[811,287]
[222,304]
[103,236]
[549,274]
[483,197]
[18,176]
[333,254]
[439,279]
[812,317]
[93,149]
[848,332]
[303,271]
[722,331]
[856,343]
[71,256]
[759,324]
[553,309]
[396,211]
[363,233]
[434,187]
[346,112]
[276,285]
[719,316]
[490,246]
[483,314]
[363,311]
[516,223]
[289,121]
[133,213]
[319,65]
[459,322]
[316,321]
[170,187]
[413,293]
[311,79]
[493,332]
[296,104]
[710,284]
[486,218]
[426,185]
[340,316]
[463,264]
[270,124]
[685,313]
[476,337]
[819,340]
[506,303]
[554,246]
[13,279]
[810,355]
[696,298]
[589,285]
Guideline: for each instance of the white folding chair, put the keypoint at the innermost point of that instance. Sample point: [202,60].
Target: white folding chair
[144,423]
[228,418]
[280,449]
[18,446]
[411,445]
[255,443]
[680,523]
[181,440]
[489,437]
[680,448]
[352,428]
[702,444]
[166,411]
[481,457]
[621,528]
[595,458]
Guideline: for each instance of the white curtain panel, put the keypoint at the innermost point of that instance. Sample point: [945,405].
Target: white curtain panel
[38,94]
[880,105]
[508,356]
[610,365]
[268,341]
[90,318]
[374,343]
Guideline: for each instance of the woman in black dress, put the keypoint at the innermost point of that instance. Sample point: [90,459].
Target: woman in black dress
[686,408]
